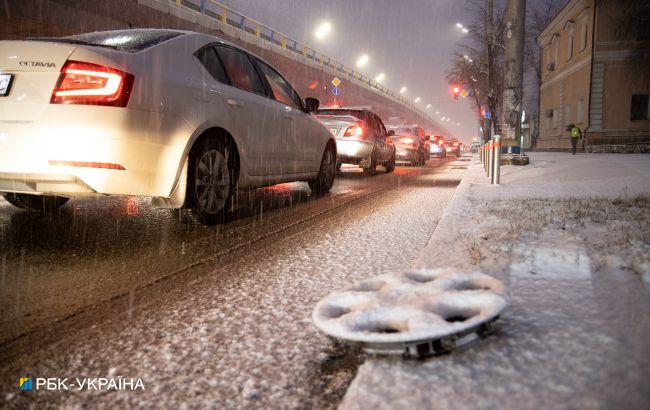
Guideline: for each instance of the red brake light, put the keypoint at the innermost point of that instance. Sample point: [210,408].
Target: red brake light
[355,130]
[93,84]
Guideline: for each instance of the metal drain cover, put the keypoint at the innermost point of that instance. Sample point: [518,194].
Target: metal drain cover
[415,313]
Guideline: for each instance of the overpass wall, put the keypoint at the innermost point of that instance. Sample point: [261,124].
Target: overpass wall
[21,19]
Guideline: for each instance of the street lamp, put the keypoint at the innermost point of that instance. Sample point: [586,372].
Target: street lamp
[428,105]
[363,60]
[416,99]
[402,90]
[380,77]
[323,30]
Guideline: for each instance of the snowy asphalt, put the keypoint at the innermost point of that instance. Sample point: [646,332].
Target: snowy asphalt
[219,316]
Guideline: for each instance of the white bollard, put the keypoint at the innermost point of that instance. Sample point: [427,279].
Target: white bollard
[490,160]
[496,171]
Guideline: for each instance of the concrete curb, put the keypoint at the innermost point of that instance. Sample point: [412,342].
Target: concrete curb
[442,250]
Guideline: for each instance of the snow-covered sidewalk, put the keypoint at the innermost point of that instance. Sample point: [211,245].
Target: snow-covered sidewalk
[569,236]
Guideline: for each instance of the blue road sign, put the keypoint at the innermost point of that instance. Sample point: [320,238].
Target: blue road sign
[336,91]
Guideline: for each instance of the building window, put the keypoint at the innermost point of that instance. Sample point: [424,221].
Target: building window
[583,34]
[556,119]
[568,27]
[580,111]
[556,50]
[567,114]
[639,111]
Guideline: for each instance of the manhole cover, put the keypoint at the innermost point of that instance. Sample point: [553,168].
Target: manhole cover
[415,313]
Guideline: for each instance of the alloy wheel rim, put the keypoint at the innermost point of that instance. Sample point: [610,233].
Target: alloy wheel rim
[330,168]
[212,181]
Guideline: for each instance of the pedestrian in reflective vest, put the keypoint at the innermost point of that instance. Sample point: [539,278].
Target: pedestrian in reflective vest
[576,135]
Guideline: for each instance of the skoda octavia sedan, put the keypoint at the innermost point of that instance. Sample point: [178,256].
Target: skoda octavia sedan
[185,118]
[361,138]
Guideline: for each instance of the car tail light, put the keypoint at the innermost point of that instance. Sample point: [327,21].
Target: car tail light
[92,84]
[355,130]
[455,144]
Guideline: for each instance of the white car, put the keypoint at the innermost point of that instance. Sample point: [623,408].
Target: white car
[361,138]
[183,117]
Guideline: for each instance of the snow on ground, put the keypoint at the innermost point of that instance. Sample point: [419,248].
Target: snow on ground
[569,236]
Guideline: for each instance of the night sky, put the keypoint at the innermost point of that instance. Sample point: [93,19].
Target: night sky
[411,41]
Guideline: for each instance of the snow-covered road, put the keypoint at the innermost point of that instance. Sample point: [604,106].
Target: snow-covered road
[228,328]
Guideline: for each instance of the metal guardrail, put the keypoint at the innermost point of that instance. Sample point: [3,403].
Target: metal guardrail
[239,21]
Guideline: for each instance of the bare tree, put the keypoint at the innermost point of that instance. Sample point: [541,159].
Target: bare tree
[478,64]
[538,17]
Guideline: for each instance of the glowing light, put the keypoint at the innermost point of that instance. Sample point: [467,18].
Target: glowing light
[465,30]
[323,30]
[416,99]
[459,25]
[428,105]
[363,60]
[402,90]
[380,77]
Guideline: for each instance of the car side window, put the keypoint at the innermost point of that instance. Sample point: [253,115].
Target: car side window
[282,91]
[372,121]
[382,128]
[240,70]
[209,59]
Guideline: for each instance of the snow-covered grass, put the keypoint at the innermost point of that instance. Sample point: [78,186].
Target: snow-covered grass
[615,233]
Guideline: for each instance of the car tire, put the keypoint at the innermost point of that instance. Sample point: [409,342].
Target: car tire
[211,180]
[372,169]
[326,173]
[40,203]
[390,165]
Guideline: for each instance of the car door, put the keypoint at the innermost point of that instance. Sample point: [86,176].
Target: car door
[301,133]
[384,141]
[254,114]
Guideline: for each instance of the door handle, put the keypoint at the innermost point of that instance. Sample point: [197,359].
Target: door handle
[235,103]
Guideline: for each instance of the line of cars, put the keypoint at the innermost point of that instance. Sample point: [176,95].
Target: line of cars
[183,117]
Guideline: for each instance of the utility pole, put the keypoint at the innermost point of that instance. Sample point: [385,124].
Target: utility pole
[514,68]
[489,23]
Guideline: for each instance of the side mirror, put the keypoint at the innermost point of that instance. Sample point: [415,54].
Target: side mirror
[391,133]
[311,104]
[427,138]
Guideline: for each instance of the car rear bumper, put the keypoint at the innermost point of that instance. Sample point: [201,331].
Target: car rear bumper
[405,154]
[77,151]
[63,185]
[352,151]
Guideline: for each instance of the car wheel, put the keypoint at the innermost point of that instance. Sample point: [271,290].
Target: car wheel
[372,170]
[211,181]
[325,178]
[41,203]
[390,165]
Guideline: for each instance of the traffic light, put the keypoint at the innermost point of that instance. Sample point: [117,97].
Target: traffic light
[456,89]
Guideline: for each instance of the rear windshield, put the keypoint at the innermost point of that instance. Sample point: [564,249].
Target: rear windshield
[132,40]
[406,130]
[354,113]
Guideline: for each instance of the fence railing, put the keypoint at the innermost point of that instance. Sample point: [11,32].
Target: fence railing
[239,21]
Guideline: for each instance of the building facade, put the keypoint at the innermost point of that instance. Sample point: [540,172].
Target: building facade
[592,76]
